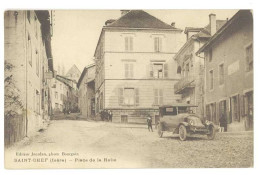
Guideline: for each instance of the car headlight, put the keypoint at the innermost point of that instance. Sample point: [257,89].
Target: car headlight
[191,122]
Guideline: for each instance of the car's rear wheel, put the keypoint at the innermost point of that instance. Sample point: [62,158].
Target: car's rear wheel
[212,132]
[159,130]
[182,132]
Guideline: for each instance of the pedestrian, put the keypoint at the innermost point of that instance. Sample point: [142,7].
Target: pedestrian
[149,123]
[110,116]
[223,123]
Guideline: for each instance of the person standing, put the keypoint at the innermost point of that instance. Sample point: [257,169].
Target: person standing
[149,123]
[110,116]
[223,123]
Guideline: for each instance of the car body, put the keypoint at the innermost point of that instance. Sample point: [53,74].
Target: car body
[180,119]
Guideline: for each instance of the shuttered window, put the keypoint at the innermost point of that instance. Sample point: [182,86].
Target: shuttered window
[136,96]
[128,43]
[157,44]
[129,68]
[165,67]
[121,96]
[249,57]
[158,96]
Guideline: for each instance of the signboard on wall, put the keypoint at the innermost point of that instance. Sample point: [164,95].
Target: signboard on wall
[234,67]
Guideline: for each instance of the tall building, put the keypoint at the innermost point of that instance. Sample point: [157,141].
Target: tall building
[28,65]
[86,86]
[191,67]
[135,72]
[229,72]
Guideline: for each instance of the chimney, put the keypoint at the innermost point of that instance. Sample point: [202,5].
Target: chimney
[173,24]
[212,23]
[123,12]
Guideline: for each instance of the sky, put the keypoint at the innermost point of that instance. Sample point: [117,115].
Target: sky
[76,32]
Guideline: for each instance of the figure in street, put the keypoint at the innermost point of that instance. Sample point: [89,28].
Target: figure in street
[149,123]
[223,123]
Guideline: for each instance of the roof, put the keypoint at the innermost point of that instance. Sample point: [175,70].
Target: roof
[205,32]
[84,73]
[140,19]
[221,31]
[202,33]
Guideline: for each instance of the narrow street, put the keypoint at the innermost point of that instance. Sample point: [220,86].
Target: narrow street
[86,144]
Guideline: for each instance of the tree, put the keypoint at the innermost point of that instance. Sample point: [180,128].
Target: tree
[13,103]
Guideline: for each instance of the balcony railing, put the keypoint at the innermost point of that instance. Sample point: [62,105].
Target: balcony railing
[185,82]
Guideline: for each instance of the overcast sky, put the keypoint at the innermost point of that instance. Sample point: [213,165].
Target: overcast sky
[76,32]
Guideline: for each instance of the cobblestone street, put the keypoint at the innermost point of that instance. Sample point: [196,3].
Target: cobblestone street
[128,145]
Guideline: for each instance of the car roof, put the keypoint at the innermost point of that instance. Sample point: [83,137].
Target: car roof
[178,105]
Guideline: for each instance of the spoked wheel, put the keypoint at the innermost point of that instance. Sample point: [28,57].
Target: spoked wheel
[182,132]
[159,130]
[212,133]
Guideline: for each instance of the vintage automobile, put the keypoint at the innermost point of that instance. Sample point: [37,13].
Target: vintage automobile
[181,120]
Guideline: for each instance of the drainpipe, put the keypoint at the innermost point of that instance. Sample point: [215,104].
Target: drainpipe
[26,61]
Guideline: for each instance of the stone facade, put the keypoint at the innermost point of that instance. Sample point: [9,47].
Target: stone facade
[27,49]
[229,73]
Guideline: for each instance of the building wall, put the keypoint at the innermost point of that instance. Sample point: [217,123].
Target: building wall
[192,95]
[61,89]
[30,63]
[230,50]
[111,72]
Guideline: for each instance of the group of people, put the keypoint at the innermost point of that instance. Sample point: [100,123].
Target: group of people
[106,115]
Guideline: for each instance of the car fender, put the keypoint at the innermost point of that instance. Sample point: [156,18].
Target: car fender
[184,123]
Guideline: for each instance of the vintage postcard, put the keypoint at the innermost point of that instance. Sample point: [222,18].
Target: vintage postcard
[128,89]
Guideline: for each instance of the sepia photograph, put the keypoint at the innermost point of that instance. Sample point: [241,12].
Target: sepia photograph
[128,88]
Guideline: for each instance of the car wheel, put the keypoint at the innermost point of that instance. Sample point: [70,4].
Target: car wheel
[159,130]
[212,133]
[182,132]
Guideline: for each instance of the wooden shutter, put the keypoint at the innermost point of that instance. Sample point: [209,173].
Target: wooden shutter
[160,96]
[160,44]
[156,96]
[238,107]
[120,96]
[165,69]
[131,43]
[151,70]
[126,70]
[126,43]
[156,44]
[136,96]
[131,71]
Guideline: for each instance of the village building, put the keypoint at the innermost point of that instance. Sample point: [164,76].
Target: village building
[229,73]
[28,66]
[86,86]
[59,95]
[135,72]
[73,73]
[191,66]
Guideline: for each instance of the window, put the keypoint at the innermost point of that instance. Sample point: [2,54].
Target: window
[158,96]
[157,44]
[61,97]
[56,95]
[60,86]
[29,50]
[37,101]
[56,105]
[128,43]
[158,70]
[221,74]
[210,55]
[129,96]
[29,16]
[249,58]
[37,62]
[129,70]
[187,69]
[179,70]
[211,80]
